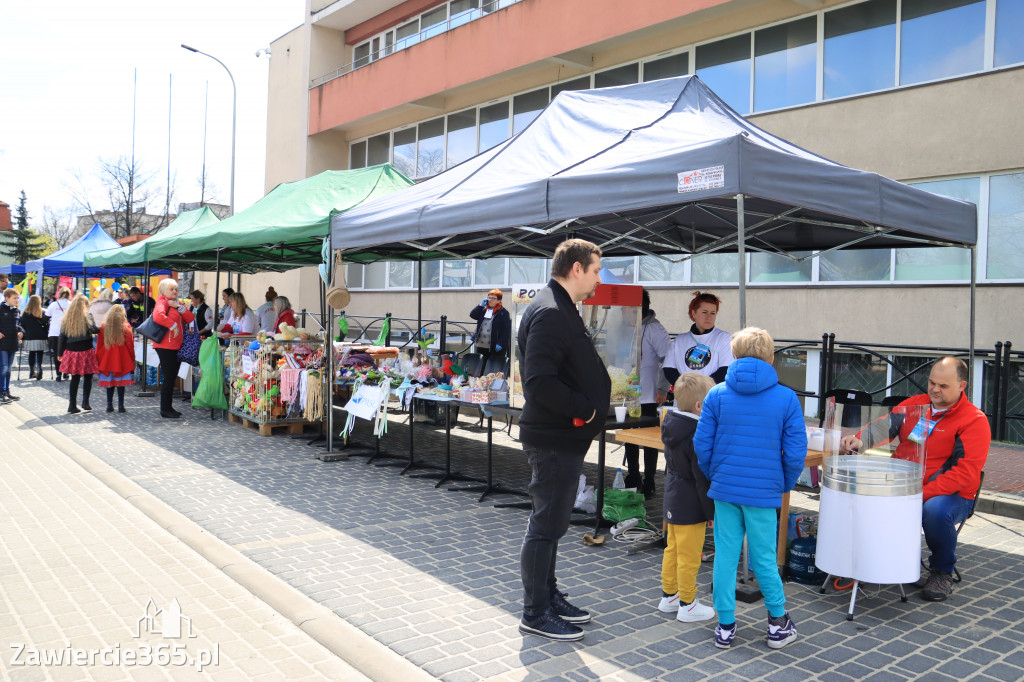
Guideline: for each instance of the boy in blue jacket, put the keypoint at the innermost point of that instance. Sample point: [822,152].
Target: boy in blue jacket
[751,443]
[687,507]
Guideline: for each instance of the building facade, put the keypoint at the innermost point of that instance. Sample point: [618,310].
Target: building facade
[929,93]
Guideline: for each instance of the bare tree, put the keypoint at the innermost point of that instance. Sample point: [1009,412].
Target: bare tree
[129,190]
[58,225]
[207,190]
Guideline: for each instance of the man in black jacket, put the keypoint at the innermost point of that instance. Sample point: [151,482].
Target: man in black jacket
[567,392]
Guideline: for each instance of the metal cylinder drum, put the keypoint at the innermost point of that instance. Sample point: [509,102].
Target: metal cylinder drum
[869,521]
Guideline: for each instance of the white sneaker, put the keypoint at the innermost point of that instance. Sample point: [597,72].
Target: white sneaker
[669,604]
[691,613]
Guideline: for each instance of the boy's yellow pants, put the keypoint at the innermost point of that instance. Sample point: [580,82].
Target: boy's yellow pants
[681,561]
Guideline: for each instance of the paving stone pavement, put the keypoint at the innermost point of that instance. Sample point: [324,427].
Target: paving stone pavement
[434,575]
[79,566]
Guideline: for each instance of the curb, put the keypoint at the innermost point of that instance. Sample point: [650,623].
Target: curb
[1000,505]
[347,642]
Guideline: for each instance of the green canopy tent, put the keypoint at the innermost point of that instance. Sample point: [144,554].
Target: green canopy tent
[140,252]
[283,230]
[286,229]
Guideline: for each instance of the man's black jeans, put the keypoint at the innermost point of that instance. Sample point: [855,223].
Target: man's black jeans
[552,490]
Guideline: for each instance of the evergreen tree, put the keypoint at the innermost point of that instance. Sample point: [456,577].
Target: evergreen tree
[26,245]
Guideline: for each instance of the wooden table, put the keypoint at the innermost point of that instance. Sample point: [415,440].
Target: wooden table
[650,437]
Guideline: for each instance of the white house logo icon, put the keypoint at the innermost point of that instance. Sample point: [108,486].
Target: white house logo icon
[166,622]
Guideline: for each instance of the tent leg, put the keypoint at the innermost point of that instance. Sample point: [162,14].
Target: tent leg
[145,392]
[974,280]
[741,252]
[216,314]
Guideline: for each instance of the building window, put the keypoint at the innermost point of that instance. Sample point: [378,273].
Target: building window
[667,67]
[354,275]
[493,125]
[785,64]
[724,66]
[659,270]
[941,38]
[715,268]
[622,268]
[575,84]
[434,22]
[431,273]
[860,48]
[375,275]
[769,267]
[404,155]
[489,272]
[943,263]
[400,274]
[1006,227]
[527,107]
[357,155]
[855,265]
[430,148]
[457,273]
[407,35]
[620,75]
[378,149]
[463,11]
[1009,29]
[528,270]
[461,137]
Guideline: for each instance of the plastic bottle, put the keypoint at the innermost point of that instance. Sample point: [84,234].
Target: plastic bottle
[620,482]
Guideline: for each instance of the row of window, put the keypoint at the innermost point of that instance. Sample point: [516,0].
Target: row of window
[999,197]
[863,47]
[433,22]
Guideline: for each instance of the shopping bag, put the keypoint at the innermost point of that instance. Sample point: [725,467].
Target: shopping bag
[211,385]
[151,330]
[366,401]
[189,351]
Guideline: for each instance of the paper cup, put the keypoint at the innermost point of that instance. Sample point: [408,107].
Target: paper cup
[620,413]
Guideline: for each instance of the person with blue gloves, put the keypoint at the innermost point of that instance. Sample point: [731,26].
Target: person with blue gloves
[493,326]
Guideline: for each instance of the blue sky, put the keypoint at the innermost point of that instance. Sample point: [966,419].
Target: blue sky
[67,70]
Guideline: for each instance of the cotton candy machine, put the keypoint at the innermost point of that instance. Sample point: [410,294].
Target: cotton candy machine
[869,523]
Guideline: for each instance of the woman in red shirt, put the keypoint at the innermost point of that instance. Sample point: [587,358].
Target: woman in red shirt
[171,313]
[285,314]
[115,352]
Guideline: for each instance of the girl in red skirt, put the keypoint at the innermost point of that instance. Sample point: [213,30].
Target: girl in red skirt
[75,352]
[115,353]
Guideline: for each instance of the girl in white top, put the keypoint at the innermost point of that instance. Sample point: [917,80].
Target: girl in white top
[703,348]
[242,320]
[55,311]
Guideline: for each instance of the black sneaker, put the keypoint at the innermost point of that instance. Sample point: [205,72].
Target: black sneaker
[568,612]
[4,400]
[549,625]
[12,397]
[939,586]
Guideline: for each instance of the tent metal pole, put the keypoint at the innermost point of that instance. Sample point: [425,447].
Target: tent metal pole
[419,294]
[216,318]
[145,392]
[741,251]
[329,348]
[974,280]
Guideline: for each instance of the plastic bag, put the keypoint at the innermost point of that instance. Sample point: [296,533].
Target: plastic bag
[620,505]
[211,386]
[586,497]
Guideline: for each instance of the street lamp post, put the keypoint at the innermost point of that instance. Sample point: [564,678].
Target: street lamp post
[234,113]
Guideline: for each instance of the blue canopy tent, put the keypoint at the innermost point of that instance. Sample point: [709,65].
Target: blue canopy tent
[70,259]
[12,269]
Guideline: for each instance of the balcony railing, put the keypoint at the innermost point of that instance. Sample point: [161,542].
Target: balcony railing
[486,8]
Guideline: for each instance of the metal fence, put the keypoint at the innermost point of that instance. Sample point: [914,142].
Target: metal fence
[812,368]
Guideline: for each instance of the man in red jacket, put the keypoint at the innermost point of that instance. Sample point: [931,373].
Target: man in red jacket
[957,438]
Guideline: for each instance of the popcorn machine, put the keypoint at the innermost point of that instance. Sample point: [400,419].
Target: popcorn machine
[613,320]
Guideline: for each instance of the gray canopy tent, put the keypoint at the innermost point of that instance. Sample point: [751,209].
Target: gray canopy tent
[663,169]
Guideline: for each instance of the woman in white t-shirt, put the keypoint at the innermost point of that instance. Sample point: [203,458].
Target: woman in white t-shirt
[55,311]
[242,319]
[704,348]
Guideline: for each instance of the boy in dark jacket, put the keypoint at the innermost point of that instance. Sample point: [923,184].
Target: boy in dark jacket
[751,443]
[687,507]
[10,335]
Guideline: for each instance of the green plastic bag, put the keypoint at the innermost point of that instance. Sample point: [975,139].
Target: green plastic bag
[620,505]
[211,386]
